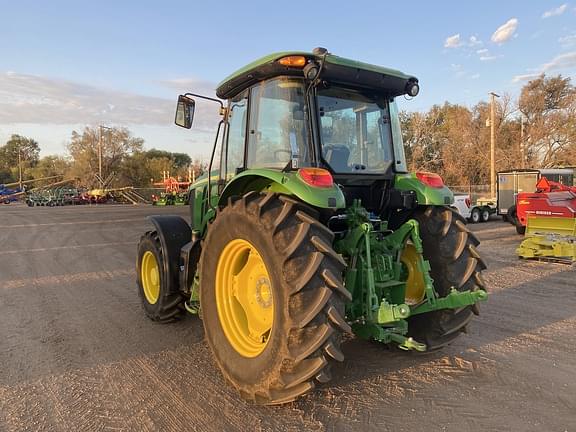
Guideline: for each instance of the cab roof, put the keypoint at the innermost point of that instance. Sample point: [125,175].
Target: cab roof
[336,69]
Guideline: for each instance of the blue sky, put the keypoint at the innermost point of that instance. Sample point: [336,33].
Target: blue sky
[67,64]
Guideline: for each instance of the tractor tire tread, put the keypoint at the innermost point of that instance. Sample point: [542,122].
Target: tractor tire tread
[460,270]
[171,300]
[309,274]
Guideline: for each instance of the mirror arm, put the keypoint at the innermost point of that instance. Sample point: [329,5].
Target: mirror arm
[205,97]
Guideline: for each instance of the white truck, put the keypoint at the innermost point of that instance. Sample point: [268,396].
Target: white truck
[474,213]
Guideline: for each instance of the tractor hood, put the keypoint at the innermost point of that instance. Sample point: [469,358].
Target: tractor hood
[389,82]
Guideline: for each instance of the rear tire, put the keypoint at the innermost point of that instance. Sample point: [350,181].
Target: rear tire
[520,229]
[451,250]
[485,215]
[305,279]
[161,299]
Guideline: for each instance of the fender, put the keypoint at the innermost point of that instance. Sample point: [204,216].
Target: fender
[425,195]
[288,183]
[174,233]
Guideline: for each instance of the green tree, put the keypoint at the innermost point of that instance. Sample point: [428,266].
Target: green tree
[6,176]
[135,171]
[29,152]
[28,149]
[179,160]
[116,143]
[549,107]
[50,166]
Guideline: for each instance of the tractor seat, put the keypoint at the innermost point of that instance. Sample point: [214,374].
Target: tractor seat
[337,156]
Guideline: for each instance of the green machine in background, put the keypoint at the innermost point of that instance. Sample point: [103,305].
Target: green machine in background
[309,226]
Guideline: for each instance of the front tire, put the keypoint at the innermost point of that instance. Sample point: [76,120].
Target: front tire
[451,251]
[161,299]
[277,345]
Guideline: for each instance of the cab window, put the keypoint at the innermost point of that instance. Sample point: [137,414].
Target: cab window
[236,134]
[277,133]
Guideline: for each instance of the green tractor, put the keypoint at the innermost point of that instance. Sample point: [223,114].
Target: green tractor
[308,226]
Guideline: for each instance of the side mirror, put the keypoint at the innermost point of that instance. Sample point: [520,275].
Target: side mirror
[185,111]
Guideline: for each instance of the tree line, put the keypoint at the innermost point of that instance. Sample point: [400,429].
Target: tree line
[536,130]
[120,153]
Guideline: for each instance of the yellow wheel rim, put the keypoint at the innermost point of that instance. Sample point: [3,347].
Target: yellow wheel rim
[244,298]
[415,286]
[150,276]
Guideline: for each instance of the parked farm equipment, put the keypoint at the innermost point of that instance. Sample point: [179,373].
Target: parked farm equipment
[514,182]
[175,192]
[8,195]
[548,219]
[549,238]
[309,226]
[56,194]
[550,199]
[126,194]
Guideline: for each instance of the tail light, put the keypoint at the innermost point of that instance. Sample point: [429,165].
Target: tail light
[467,201]
[430,179]
[316,177]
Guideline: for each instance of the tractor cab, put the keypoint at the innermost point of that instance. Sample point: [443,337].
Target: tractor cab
[296,111]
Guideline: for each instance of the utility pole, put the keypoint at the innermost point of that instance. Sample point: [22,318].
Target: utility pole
[100,153]
[522,155]
[492,145]
[20,166]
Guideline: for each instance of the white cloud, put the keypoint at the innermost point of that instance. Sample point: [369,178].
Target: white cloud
[505,31]
[474,41]
[561,62]
[35,99]
[484,55]
[555,12]
[457,41]
[475,76]
[567,41]
[41,100]
[452,41]
[192,85]
[525,77]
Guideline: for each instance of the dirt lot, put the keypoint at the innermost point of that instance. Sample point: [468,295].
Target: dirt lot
[77,353]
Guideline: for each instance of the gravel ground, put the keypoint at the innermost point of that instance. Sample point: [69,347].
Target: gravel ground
[78,354]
